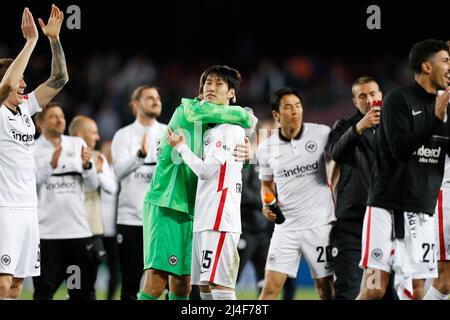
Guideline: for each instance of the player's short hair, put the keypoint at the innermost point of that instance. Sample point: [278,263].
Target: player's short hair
[230,76]
[41,115]
[78,124]
[363,80]
[423,51]
[136,94]
[279,94]
[4,65]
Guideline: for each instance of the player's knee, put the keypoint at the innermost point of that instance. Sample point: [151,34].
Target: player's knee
[5,285]
[325,290]
[14,292]
[374,294]
[272,287]
[182,290]
[442,286]
[180,286]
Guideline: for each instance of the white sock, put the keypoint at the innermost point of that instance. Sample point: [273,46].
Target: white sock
[218,294]
[434,294]
[206,296]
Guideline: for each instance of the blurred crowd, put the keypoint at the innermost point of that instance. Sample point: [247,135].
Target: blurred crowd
[101,82]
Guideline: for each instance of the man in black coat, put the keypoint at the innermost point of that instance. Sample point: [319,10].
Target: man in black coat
[351,146]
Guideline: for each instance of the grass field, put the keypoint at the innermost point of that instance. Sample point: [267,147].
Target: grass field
[308,293]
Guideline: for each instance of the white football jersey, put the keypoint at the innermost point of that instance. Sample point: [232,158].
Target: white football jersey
[134,173]
[297,167]
[61,210]
[17,179]
[218,201]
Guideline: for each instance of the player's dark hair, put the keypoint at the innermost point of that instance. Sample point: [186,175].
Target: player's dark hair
[279,94]
[423,51]
[41,115]
[4,65]
[363,80]
[230,76]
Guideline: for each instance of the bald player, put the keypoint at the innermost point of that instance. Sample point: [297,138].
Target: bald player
[86,128]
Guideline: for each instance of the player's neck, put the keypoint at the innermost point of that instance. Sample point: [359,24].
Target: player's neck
[426,83]
[146,121]
[54,140]
[290,133]
[10,106]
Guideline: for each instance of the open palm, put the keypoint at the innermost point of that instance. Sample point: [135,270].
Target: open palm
[53,26]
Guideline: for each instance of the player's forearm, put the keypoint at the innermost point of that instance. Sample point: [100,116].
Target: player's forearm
[204,170]
[16,70]
[267,187]
[59,75]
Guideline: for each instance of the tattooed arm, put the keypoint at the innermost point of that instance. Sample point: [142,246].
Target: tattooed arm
[59,75]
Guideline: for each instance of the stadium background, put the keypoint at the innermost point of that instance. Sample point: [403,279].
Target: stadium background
[317,47]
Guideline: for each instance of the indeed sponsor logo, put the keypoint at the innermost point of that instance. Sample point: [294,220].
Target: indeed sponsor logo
[61,186]
[428,155]
[143,176]
[25,138]
[302,170]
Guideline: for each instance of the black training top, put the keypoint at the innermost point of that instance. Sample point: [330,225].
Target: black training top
[354,154]
[410,152]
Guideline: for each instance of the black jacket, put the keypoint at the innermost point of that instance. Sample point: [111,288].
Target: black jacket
[253,221]
[354,154]
[410,152]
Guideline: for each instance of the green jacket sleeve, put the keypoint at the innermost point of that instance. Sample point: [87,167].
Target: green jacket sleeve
[205,112]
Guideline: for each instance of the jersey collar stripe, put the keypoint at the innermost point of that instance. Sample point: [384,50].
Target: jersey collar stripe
[366,254]
[216,258]
[441,226]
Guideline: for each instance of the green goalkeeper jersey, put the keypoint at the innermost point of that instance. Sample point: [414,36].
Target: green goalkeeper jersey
[173,184]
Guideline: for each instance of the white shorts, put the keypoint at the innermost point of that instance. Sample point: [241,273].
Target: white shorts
[378,245]
[19,242]
[287,247]
[442,225]
[215,258]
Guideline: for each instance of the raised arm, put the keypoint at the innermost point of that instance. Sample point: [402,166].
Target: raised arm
[15,71]
[59,75]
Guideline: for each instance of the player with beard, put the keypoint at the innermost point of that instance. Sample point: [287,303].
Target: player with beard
[134,153]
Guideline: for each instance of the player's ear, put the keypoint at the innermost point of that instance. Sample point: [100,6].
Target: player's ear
[276,115]
[232,95]
[426,67]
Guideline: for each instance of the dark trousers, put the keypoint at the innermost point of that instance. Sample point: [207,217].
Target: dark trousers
[131,258]
[346,237]
[112,261]
[253,247]
[72,260]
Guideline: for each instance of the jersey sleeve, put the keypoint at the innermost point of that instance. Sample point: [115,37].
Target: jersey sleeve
[265,171]
[201,111]
[33,105]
